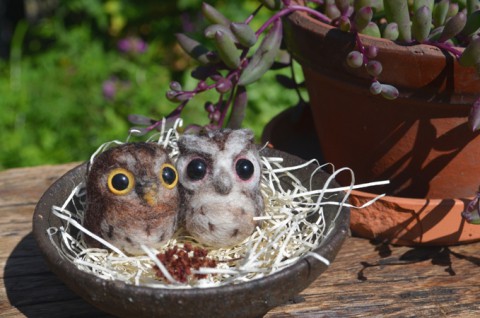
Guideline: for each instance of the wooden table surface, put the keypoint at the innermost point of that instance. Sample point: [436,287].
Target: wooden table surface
[366,280]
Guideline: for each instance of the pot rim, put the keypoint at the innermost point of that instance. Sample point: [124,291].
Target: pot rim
[304,20]
[408,200]
[432,74]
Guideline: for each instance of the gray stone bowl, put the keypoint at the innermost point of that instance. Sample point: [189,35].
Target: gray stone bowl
[250,299]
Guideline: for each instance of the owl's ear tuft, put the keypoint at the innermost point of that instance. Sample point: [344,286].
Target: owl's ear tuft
[242,136]
[187,142]
[247,133]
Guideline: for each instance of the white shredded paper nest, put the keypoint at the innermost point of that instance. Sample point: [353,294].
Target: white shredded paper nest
[293,226]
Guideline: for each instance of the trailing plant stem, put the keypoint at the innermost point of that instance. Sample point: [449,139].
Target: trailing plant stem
[287,11]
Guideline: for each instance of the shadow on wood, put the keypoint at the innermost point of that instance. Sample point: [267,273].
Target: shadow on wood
[30,286]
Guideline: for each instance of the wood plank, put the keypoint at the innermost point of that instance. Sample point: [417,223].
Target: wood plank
[420,282]
[59,309]
[26,185]
[16,214]
[23,266]
[18,244]
[366,280]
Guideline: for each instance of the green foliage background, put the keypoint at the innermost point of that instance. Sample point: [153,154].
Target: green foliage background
[52,108]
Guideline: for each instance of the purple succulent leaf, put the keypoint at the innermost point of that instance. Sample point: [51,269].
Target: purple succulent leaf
[474,116]
[472,212]
[273,4]
[371,52]
[363,17]
[238,108]
[264,56]
[286,81]
[374,68]
[209,108]
[355,59]
[389,91]
[213,15]
[203,72]
[192,129]
[175,86]
[279,65]
[193,48]
[375,88]
[140,119]
[223,85]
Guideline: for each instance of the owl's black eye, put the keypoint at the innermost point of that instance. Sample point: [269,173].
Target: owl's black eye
[197,169]
[120,181]
[244,169]
[169,176]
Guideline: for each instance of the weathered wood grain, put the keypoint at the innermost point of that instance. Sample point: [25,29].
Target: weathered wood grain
[25,185]
[366,280]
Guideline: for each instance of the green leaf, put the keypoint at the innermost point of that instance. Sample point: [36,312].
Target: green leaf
[227,50]
[391,31]
[264,57]
[472,6]
[194,48]
[376,5]
[343,5]
[421,23]
[332,11]
[372,30]
[244,33]
[453,27]
[473,23]
[362,18]
[417,4]
[375,88]
[440,11]
[213,15]
[471,54]
[273,4]
[344,24]
[210,31]
[239,106]
[354,59]
[389,91]
[397,11]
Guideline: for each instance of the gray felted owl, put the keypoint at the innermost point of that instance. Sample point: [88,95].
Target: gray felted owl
[132,197]
[219,173]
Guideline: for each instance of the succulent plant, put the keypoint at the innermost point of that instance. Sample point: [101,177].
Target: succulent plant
[229,60]
[234,59]
[445,24]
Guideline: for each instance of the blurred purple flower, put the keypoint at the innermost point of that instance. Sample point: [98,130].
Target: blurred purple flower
[191,21]
[111,86]
[187,24]
[132,45]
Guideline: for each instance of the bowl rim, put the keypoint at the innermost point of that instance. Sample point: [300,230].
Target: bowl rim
[307,265]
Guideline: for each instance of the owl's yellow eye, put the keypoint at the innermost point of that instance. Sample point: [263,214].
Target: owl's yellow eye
[120,181]
[169,176]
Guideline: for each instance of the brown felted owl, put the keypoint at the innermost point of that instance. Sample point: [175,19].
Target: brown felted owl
[132,197]
[219,174]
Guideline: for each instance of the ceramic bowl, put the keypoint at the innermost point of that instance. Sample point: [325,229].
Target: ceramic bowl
[248,299]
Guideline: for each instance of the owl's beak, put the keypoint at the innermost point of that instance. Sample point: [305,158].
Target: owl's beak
[149,193]
[150,197]
[222,183]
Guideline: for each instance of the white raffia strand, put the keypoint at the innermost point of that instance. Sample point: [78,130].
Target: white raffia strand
[291,228]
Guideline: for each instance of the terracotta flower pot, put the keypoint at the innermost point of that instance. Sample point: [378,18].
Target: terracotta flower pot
[420,141]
